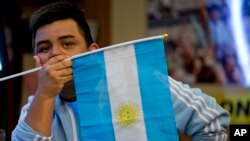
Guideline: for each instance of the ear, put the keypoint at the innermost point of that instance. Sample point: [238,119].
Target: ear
[93,46]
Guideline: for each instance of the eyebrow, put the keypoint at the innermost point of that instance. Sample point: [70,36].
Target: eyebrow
[60,38]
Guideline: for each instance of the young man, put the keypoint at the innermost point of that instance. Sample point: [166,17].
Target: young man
[59,31]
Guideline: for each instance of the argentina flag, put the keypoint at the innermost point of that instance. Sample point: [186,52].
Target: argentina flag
[120,97]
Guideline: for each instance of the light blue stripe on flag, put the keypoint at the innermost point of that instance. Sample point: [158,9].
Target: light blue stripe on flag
[92,98]
[120,96]
[156,98]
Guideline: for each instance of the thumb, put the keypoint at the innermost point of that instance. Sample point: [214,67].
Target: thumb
[37,61]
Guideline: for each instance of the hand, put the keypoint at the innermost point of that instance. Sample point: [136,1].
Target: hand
[54,74]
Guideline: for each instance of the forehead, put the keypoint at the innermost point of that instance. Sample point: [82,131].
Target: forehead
[57,29]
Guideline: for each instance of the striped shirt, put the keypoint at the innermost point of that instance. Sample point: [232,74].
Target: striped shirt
[196,114]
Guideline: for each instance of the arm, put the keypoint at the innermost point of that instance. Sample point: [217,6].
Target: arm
[198,115]
[23,132]
[36,117]
[51,79]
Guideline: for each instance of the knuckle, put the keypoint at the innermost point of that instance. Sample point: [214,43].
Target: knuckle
[70,77]
[70,70]
[67,63]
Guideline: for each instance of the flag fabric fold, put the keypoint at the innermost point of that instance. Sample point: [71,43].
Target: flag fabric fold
[120,97]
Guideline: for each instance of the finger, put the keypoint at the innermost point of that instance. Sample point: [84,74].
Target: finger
[67,78]
[37,61]
[65,72]
[67,63]
[57,59]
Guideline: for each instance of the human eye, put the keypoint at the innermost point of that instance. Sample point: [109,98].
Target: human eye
[43,48]
[68,44]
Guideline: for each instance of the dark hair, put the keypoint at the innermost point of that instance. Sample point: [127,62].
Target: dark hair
[59,11]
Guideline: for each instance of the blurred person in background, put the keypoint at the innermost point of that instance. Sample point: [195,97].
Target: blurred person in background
[220,35]
[232,70]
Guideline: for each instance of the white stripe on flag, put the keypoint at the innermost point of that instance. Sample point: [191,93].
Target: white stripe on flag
[122,81]
[119,115]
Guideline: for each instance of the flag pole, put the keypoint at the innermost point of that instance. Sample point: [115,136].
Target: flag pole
[20,74]
[121,44]
[87,53]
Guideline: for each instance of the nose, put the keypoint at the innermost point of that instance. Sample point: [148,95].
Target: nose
[56,50]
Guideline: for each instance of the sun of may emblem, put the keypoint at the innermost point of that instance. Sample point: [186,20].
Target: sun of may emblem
[127,114]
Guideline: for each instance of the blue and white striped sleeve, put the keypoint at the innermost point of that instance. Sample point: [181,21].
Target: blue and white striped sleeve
[198,115]
[23,132]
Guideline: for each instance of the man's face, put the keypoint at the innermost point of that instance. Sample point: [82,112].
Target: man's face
[61,37]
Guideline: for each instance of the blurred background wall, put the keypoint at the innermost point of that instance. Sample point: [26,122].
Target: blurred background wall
[202,48]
